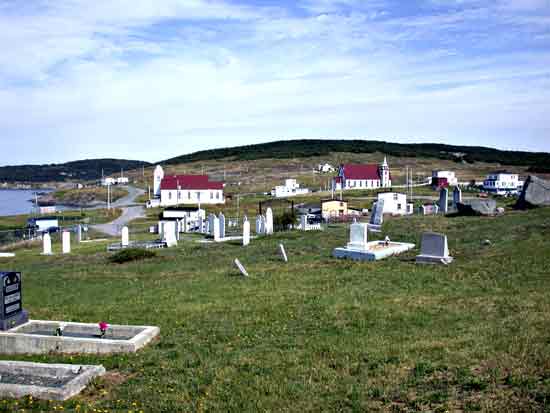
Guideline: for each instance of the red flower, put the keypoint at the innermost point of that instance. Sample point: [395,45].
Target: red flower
[103,326]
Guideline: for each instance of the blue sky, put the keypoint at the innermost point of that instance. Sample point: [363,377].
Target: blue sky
[150,79]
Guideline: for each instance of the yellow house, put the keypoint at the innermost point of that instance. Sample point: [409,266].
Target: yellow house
[334,208]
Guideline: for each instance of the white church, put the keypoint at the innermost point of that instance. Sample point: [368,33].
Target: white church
[362,176]
[172,190]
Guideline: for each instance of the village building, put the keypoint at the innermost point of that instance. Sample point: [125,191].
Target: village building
[502,183]
[443,179]
[172,190]
[362,176]
[395,203]
[290,188]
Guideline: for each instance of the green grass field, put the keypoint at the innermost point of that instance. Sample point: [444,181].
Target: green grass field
[316,334]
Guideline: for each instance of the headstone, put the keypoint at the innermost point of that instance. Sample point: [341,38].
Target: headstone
[66,242]
[221,217]
[487,207]
[170,234]
[259,224]
[269,221]
[444,201]
[436,209]
[377,216]
[535,192]
[457,196]
[11,305]
[216,229]
[241,268]
[246,233]
[200,225]
[434,249]
[211,224]
[46,244]
[303,222]
[263,225]
[358,236]
[79,233]
[125,237]
[283,252]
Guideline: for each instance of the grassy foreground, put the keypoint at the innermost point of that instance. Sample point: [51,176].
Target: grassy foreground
[316,334]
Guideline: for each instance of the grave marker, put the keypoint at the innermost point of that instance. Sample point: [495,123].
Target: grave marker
[125,237]
[246,233]
[221,217]
[434,249]
[283,252]
[46,244]
[258,224]
[241,268]
[358,234]
[11,304]
[269,221]
[79,233]
[457,196]
[216,229]
[66,242]
[444,201]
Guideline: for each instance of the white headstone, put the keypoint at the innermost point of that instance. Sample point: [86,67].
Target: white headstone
[283,252]
[125,236]
[444,200]
[200,224]
[79,233]
[303,222]
[184,224]
[216,229]
[211,224]
[269,221]
[66,242]
[47,244]
[241,268]
[170,234]
[221,217]
[358,236]
[263,225]
[246,233]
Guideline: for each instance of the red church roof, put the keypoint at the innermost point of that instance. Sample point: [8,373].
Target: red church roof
[189,182]
[361,172]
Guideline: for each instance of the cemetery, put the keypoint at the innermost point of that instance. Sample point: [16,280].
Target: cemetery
[247,311]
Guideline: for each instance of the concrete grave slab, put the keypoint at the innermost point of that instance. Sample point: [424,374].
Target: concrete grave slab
[45,381]
[38,337]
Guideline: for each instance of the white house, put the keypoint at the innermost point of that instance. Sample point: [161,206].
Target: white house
[186,189]
[449,176]
[122,180]
[395,203]
[108,181]
[367,176]
[325,168]
[44,224]
[502,183]
[290,188]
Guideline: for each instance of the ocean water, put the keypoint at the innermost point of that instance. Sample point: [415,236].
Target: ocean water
[16,202]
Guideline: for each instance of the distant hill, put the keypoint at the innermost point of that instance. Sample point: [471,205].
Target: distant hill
[86,170]
[304,148]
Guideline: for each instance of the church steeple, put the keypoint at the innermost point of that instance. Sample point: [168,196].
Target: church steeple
[384,171]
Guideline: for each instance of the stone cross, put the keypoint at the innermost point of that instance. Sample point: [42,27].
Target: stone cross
[241,268]
[246,233]
[457,196]
[444,201]
[358,236]
[221,217]
[269,221]
[125,237]
[66,242]
[216,229]
[283,252]
[46,244]
[434,249]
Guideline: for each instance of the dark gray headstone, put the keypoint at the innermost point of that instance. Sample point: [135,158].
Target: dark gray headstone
[377,216]
[11,305]
[434,249]
[536,192]
[444,200]
[457,196]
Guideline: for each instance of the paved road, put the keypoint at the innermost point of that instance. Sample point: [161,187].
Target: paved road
[129,213]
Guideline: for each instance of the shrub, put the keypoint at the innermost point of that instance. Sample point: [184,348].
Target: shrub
[131,254]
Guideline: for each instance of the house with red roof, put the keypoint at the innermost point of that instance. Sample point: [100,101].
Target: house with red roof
[362,176]
[173,190]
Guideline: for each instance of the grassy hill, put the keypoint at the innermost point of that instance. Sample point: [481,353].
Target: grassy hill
[305,148]
[83,170]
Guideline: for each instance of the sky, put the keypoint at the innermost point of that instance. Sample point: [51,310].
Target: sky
[154,79]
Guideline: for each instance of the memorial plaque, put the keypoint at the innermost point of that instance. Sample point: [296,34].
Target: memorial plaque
[12,313]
